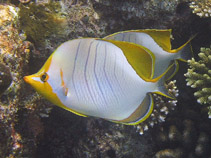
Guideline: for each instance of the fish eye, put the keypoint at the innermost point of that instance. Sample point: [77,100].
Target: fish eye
[44,77]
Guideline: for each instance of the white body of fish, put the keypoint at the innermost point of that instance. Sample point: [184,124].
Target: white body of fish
[99,79]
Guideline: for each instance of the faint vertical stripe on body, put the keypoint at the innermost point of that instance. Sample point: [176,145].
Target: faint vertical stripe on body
[96,76]
[104,70]
[85,74]
[73,79]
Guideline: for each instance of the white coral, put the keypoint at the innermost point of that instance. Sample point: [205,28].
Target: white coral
[201,8]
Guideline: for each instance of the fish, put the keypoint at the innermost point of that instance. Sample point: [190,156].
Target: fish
[99,78]
[159,43]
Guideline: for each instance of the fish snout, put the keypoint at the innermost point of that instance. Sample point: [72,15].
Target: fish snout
[26,79]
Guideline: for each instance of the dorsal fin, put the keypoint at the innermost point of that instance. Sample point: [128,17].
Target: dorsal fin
[140,58]
[161,37]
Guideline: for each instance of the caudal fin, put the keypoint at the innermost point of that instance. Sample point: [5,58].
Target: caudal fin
[185,51]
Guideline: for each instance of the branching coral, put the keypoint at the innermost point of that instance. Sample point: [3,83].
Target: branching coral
[161,109]
[199,76]
[201,8]
[182,137]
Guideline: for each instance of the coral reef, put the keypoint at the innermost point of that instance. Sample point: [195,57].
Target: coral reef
[40,21]
[186,133]
[31,127]
[5,78]
[199,77]
[14,58]
[201,8]
[162,106]
[136,14]
[169,153]
[13,54]
[89,137]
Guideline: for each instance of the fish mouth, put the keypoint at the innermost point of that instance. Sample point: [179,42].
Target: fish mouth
[26,79]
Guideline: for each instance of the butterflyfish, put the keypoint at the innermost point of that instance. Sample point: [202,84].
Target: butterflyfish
[94,77]
[159,43]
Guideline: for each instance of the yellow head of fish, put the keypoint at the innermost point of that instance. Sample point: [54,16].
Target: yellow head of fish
[39,81]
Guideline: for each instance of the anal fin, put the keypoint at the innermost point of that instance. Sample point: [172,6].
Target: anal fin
[141,113]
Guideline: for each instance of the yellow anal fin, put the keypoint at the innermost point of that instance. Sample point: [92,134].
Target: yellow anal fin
[141,113]
[71,110]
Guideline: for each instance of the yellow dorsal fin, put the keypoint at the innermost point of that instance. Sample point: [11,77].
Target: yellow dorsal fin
[161,37]
[139,57]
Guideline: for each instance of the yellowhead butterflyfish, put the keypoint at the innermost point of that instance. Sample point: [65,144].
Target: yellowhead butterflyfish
[94,77]
[158,42]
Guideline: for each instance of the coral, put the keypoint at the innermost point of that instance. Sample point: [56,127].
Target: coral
[24,1]
[123,15]
[201,8]
[13,54]
[40,21]
[14,58]
[29,128]
[199,77]
[162,106]
[168,153]
[185,134]
[5,78]
[89,137]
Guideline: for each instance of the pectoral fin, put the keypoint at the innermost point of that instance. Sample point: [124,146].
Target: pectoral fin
[65,89]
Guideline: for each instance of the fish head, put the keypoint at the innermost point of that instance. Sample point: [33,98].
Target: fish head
[40,81]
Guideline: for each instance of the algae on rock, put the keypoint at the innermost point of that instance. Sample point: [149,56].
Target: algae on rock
[17,130]
[40,21]
[199,77]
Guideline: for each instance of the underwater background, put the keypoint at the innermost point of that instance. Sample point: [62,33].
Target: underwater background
[32,127]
